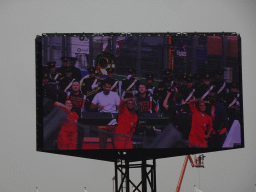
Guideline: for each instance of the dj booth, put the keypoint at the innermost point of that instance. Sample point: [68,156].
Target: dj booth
[111,119]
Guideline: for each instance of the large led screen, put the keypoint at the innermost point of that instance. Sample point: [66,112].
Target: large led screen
[148,95]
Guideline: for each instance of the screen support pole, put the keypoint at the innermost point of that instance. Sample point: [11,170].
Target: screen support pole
[123,180]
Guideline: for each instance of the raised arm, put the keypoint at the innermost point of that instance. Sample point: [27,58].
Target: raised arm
[195,100]
[123,103]
[165,103]
[192,106]
[58,104]
[128,99]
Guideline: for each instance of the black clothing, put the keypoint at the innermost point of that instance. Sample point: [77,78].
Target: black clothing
[161,84]
[86,89]
[201,90]
[145,105]
[54,77]
[219,121]
[180,87]
[77,101]
[61,71]
[232,103]
[64,82]
[127,82]
[162,93]
[220,88]
[154,89]
[185,91]
[197,84]
[230,99]
[86,86]
[48,91]
[181,117]
[219,118]
[76,73]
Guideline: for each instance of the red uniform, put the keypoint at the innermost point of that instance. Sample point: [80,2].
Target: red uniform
[200,123]
[68,132]
[126,126]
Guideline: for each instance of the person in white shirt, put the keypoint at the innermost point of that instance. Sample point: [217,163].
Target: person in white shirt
[106,101]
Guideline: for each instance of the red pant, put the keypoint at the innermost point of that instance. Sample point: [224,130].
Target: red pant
[123,142]
[67,141]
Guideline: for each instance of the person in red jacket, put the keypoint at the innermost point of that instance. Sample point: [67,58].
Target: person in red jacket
[68,131]
[201,124]
[127,121]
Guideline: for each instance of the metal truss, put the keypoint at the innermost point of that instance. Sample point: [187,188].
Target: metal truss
[148,176]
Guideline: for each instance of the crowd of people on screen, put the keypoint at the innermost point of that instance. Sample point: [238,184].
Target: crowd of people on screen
[201,106]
